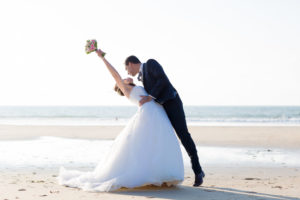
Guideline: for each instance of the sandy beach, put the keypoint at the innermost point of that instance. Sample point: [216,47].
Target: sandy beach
[221,182]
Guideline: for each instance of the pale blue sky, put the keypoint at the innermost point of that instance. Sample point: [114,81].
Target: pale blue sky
[214,52]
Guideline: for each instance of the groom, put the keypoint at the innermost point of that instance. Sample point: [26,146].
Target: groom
[159,88]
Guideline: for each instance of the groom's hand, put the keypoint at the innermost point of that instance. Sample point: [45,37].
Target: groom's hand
[144,99]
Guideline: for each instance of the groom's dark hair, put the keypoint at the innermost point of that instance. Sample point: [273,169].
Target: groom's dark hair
[133,59]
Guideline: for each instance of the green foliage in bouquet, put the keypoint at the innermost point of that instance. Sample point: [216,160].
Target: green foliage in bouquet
[91,46]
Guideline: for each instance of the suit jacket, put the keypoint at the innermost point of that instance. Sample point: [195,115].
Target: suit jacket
[156,82]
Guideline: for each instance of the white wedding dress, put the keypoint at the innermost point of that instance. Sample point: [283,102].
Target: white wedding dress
[145,152]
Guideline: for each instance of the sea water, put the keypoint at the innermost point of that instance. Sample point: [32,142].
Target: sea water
[52,152]
[120,115]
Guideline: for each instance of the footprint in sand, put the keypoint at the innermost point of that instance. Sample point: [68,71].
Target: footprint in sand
[277,186]
[250,179]
[52,192]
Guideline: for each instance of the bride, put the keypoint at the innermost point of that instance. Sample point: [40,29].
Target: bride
[146,151]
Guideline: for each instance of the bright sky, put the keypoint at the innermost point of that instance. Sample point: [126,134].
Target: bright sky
[214,52]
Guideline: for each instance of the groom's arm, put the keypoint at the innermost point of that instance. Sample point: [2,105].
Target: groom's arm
[144,99]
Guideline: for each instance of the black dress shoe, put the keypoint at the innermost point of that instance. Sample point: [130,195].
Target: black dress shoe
[199,179]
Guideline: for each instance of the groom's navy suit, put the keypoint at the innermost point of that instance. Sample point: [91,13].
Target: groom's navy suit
[157,84]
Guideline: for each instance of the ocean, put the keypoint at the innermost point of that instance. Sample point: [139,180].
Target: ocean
[85,154]
[119,115]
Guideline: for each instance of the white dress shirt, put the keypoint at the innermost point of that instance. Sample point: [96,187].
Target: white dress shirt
[141,70]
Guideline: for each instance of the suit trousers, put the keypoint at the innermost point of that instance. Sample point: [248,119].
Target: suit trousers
[175,112]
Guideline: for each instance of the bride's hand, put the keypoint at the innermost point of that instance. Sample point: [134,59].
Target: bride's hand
[100,53]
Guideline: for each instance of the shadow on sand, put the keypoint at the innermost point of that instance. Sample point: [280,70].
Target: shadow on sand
[191,193]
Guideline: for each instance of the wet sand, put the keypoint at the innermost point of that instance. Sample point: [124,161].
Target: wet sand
[221,182]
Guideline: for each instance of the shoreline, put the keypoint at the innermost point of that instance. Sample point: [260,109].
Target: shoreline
[222,181]
[244,136]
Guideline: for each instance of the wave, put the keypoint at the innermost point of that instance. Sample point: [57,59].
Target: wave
[246,120]
[119,115]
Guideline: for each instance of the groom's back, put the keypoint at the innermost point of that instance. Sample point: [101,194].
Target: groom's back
[156,82]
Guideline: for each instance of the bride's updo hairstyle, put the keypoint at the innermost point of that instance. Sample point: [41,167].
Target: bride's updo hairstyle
[119,91]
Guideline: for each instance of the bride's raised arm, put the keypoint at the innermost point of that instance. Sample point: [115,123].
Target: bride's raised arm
[114,74]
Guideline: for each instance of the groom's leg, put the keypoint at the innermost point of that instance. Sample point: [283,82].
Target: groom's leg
[175,112]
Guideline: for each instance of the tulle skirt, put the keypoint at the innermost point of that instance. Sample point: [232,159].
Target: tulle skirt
[146,152]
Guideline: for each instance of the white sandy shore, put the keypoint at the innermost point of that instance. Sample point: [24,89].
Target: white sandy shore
[220,183]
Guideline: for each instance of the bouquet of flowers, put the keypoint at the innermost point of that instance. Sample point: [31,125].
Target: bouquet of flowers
[91,46]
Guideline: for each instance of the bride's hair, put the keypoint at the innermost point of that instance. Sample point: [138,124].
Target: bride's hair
[119,91]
